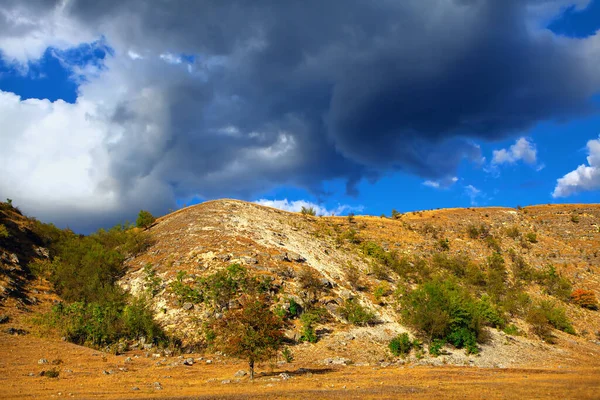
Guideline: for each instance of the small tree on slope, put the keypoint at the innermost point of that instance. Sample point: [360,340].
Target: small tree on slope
[253,332]
[144,219]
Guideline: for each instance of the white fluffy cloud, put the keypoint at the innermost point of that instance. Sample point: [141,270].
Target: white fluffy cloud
[523,150]
[296,206]
[442,183]
[473,193]
[585,177]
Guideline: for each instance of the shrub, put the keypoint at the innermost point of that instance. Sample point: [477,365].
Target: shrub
[443,244]
[478,232]
[351,235]
[435,347]
[287,354]
[308,211]
[539,324]
[574,218]
[350,218]
[585,299]
[144,219]
[353,276]
[546,315]
[441,309]
[3,232]
[521,270]
[355,313]
[311,286]
[531,237]
[400,345]
[183,292]
[511,330]
[308,320]
[554,283]
[513,232]
[225,285]
[493,243]
[101,324]
[381,291]
[51,373]
[151,280]
[396,214]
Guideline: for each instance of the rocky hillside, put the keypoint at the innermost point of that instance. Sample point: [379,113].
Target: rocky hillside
[20,243]
[345,253]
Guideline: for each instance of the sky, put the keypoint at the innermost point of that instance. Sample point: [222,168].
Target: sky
[348,106]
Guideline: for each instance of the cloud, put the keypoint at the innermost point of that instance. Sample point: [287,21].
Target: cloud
[296,206]
[277,94]
[523,150]
[473,193]
[585,177]
[442,183]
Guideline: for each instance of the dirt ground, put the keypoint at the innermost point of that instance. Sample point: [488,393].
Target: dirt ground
[86,373]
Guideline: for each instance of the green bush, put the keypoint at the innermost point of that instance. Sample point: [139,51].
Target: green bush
[144,219]
[511,330]
[152,280]
[557,317]
[545,316]
[441,309]
[308,320]
[355,313]
[225,285]
[555,284]
[531,237]
[3,232]
[400,345]
[435,347]
[183,292]
[96,324]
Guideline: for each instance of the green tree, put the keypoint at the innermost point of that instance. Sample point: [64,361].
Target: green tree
[144,219]
[253,332]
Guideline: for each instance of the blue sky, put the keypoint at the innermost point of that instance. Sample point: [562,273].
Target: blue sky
[125,120]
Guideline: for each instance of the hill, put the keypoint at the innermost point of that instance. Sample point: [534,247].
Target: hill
[206,238]
[508,273]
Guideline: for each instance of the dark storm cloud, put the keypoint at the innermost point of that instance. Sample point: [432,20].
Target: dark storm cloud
[298,92]
[398,83]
